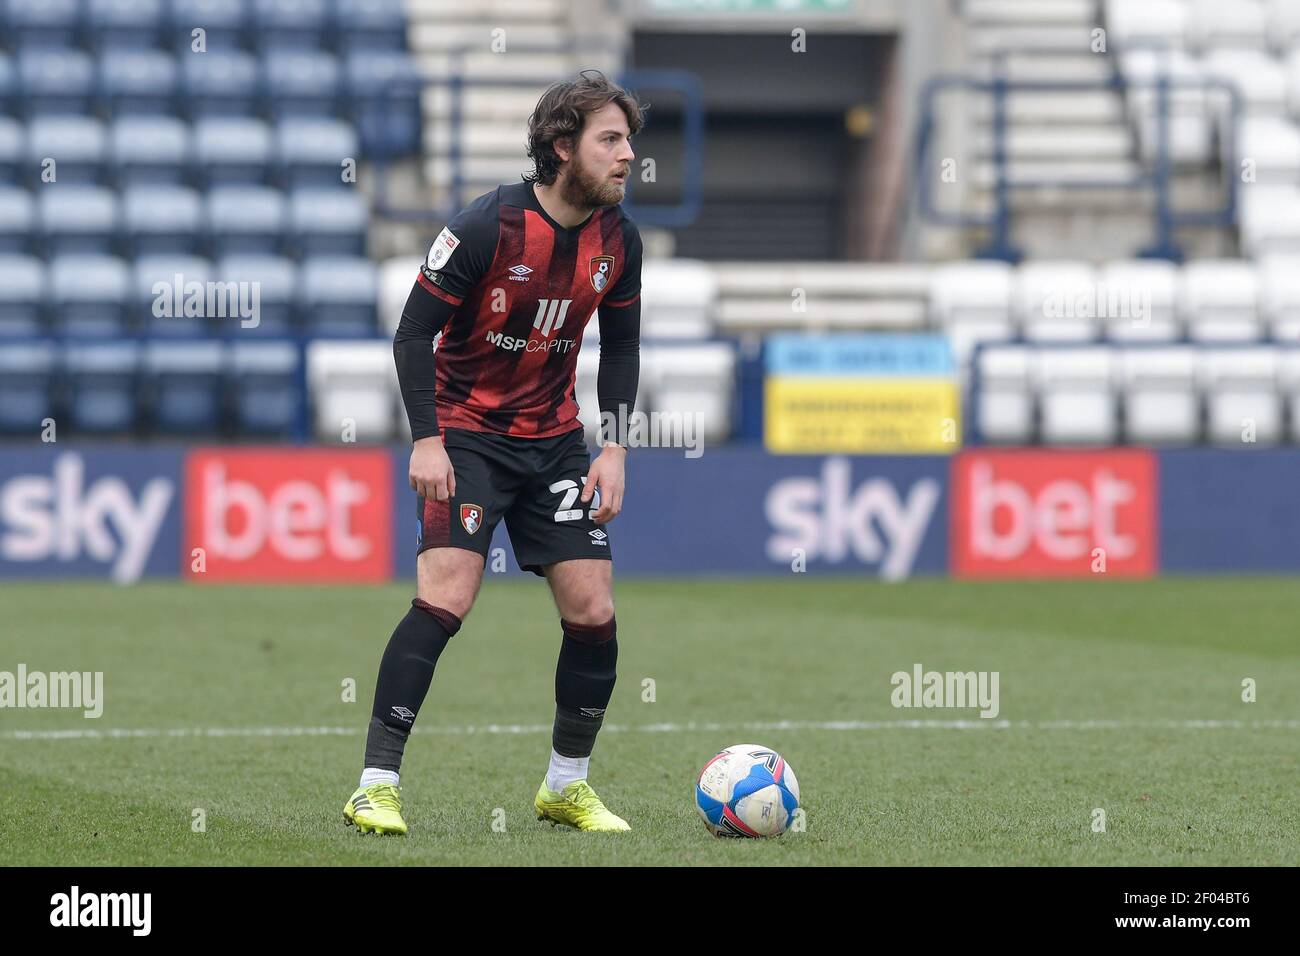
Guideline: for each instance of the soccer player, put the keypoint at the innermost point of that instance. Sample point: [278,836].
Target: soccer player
[506,292]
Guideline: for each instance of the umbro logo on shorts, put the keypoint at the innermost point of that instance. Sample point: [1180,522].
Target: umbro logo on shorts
[598,537]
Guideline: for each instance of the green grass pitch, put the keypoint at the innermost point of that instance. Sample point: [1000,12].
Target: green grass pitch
[1123,696]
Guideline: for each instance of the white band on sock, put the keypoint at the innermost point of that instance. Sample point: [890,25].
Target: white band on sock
[374,775]
[565,770]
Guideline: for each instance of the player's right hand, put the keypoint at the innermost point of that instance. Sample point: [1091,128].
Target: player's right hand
[431,474]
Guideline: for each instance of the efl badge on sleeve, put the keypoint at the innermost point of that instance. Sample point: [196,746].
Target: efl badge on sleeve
[471,516]
[601,269]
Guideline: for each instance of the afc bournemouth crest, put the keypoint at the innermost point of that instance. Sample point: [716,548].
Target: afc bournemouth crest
[471,516]
[601,267]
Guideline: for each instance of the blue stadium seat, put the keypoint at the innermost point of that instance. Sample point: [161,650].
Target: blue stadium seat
[328,221]
[150,149]
[17,220]
[137,23]
[157,219]
[55,80]
[302,23]
[245,219]
[27,372]
[183,380]
[301,82]
[370,24]
[102,386]
[169,296]
[77,144]
[337,296]
[89,296]
[12,156]
[219,83]
[274,282]
[224,24]
[76,218]
[138,81]
[387,115]
[311,152]
[266,397]
[232,150]
[22,296]
[43,22]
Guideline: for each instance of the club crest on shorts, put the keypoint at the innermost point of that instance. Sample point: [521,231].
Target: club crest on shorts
[471,516]
[601,268]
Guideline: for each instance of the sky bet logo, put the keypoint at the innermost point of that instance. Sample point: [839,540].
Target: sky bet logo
[61,517]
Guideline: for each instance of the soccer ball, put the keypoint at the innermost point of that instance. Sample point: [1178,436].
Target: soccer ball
[747,791]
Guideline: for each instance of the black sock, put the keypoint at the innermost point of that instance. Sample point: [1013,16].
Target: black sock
[404,677]
[584,682]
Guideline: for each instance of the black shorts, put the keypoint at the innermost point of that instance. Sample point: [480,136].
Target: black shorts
[534,483]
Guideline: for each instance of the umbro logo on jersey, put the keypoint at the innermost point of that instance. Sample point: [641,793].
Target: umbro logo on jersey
[550,314]
[401,713]
[519,273]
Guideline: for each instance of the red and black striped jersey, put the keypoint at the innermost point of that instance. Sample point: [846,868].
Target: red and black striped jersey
[523,288]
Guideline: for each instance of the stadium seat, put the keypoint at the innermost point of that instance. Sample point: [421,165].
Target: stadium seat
[1218,300]
[130,23]
[677,299]
[352,381]
[138,81]
[1288,374]
[34,23]
[1077,402]
[245,219]
[184,380]
[370,25]
[311,152]
[1004,412]
[1161,403]
[396,277]
[694,380]
[102,387]
[27,379]
[1272,146]
[269,284]
[1243,406]
[1213,24]
[17,220]
[302,23]
[301,82]
[219,83]
[170,296]
[1260,80]
[1279,298]
[337,295]
[232,150]
[77,145]
[90,296]
[22,296]
[1269,220]
[1137,23]
[1283,25]
[150,149]
[383,101]
[159,219]
[12,149]
[224,23]
[1142,298]
[266,398]
[971,301]
[55,80]
[328,221]
[77,218]
[1057,301]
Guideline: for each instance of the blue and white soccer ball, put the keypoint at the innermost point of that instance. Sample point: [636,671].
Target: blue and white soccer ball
[747,791]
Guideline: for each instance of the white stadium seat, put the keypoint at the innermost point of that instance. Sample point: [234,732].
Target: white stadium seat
[396,276]
[971,301]
[1279,297]
[1141,22]
[1218,300]
[1226,23]
[1076,398]
[1161,404]
[1283,24]
[677,299]
[1141,296]
[1056,301]
[1241,395]
[1006,399]
[1271,145]
[1260,80]
[353,380]
[696,380]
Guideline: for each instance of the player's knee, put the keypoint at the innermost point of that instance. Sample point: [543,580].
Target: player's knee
[592,611]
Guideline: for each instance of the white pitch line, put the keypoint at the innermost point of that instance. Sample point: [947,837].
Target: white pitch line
[666,728]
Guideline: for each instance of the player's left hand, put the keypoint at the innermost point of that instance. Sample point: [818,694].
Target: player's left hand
[606,476]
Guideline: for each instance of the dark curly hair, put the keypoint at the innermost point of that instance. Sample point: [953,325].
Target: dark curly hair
[561,113]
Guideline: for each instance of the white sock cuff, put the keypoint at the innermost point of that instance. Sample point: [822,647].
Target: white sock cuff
[375,775]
